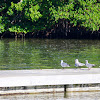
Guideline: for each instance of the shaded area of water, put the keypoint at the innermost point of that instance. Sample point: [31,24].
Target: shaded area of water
[46,53]
[55,96]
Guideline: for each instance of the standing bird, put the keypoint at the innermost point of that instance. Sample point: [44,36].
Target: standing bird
[63,64]
[78,64]
[89,65]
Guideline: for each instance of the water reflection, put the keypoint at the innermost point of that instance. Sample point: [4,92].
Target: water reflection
[55,96]
[38,53]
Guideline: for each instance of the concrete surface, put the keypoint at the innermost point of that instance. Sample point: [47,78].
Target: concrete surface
[16,78]
[11,78]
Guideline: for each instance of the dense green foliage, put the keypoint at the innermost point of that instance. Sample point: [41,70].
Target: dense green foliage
[34,15]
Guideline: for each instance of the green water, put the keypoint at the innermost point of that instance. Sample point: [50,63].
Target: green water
[46,53]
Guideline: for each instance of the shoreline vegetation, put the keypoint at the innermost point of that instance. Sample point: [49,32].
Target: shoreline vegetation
[50,19]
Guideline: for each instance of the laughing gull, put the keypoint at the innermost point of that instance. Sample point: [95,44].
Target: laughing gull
[89,65]
[63,64]
[78,64]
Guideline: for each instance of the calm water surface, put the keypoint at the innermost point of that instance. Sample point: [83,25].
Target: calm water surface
[55,96]
[46,53]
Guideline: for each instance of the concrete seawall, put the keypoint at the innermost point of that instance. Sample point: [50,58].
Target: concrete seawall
[29,78]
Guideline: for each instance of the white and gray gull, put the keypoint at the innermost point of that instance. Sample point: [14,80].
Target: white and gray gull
[89,65]
[78,64]
[63,64]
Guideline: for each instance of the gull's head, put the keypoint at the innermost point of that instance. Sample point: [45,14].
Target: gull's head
[61,61]
[86,61]
[76,60]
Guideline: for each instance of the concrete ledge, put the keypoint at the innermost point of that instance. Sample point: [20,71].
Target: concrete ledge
[53,90]
[49,80]
[16,78]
